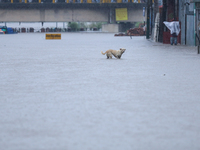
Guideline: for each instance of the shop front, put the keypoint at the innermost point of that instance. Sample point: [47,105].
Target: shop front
[197,20]
[171,15]
[197,23]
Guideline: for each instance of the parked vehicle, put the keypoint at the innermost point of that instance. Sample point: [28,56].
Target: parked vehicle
[5,30]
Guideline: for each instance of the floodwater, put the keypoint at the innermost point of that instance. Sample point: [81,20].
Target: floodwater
[65,95]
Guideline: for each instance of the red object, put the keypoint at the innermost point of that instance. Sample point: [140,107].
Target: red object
[167,35]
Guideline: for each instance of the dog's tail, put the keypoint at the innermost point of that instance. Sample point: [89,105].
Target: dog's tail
[103,53]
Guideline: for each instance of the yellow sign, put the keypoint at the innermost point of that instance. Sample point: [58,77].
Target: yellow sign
[53,36]
[121,14]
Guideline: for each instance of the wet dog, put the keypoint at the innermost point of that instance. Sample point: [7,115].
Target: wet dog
[116,53]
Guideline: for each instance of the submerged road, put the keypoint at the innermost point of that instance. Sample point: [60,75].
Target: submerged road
[65,95]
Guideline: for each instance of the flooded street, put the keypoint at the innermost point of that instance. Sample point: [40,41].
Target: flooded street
[65,95]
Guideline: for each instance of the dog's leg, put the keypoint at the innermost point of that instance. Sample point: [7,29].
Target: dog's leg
[114,55]
[107,56]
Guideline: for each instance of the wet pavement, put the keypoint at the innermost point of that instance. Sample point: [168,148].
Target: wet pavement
[65,95]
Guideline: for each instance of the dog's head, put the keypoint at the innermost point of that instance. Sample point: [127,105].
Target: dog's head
[122,50]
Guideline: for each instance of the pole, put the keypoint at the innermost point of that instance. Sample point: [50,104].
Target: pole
[151,16]
[162,19]
[195,25]
[148,18]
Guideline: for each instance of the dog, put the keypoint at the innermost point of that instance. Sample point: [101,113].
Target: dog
[116,53]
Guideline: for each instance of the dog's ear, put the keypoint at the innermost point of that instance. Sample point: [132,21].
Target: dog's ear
[120,48]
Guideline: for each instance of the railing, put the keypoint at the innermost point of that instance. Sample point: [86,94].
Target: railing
[73,1]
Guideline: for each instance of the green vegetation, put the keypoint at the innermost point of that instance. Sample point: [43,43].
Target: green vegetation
[97,25]
[82,26]
[74,26]
[139,24]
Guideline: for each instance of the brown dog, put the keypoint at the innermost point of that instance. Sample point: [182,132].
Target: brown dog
[116,53]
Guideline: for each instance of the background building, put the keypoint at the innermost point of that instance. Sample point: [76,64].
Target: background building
[179,10]
[196,5]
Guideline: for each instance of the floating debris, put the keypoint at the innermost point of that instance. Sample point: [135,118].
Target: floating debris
[132,32]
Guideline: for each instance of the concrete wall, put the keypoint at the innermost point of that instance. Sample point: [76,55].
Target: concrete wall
[54,15]
[135,15]
[68,14]
[110,28]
